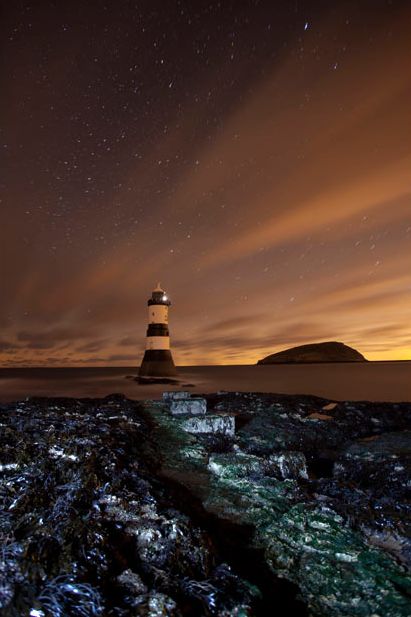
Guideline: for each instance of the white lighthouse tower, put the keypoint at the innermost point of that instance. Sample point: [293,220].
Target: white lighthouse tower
[158,361]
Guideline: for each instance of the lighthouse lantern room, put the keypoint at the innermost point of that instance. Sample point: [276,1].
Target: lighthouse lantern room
[158,361]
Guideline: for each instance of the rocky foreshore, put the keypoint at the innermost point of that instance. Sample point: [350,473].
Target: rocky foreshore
[110,507]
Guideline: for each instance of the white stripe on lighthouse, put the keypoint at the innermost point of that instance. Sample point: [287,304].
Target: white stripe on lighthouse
[158,313]
[158,342]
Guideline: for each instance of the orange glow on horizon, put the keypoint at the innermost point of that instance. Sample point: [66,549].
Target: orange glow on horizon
[271,198]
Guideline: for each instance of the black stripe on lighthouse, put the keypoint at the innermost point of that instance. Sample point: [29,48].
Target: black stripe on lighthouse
[158,329]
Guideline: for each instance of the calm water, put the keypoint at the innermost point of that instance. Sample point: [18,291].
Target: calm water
[374,381]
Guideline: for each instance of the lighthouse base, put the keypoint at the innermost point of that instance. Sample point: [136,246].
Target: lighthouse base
[157,363]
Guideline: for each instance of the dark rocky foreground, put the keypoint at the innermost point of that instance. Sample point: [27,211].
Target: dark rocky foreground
[109,508]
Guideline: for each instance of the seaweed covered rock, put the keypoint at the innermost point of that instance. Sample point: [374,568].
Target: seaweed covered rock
[87,527]
[287,465]
[381,463]
[290,478]
[371,486]
[112,507]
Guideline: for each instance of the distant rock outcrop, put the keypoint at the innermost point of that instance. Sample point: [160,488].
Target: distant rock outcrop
[315,352]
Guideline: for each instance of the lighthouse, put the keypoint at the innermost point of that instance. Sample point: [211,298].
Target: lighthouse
[158,361]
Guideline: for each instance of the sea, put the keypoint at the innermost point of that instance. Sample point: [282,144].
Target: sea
[370,381]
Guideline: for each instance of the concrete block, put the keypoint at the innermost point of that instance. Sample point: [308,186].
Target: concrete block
[188,406]
[175,396]
[210,424]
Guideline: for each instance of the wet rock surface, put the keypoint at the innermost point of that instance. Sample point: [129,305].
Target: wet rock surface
[109,507]
[358,454]
[87,528]
[301,475]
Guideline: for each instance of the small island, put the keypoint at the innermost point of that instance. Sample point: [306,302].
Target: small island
[330,351]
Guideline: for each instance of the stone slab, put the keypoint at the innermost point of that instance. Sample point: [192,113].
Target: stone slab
[175,396]
[188,407]
[210,424]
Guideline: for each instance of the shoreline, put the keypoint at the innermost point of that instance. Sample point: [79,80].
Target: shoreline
[372,381]
[191,366]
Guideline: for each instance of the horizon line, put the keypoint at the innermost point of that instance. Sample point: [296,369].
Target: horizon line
[47,366]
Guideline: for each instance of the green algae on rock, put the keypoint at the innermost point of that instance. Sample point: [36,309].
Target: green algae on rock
[303,539]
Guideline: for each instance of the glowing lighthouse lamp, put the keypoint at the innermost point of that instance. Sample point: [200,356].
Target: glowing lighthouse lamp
[158,361]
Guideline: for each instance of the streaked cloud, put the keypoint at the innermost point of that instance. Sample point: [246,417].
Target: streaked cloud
[286,222]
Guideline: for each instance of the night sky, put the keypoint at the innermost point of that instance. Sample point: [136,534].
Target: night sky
[254,157]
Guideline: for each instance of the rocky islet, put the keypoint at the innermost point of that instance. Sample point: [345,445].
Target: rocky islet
[329,351]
